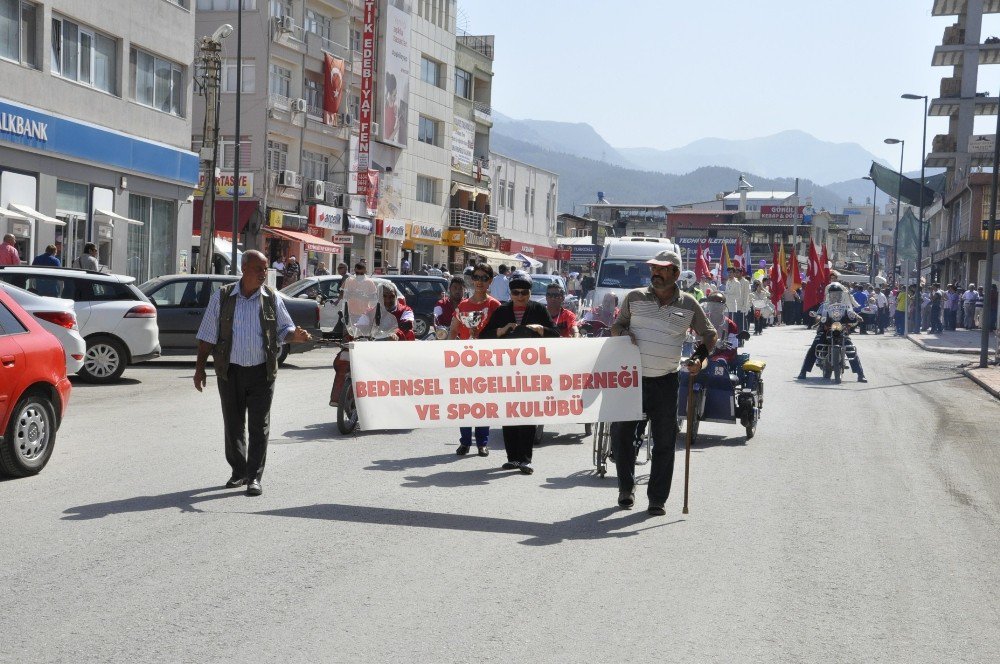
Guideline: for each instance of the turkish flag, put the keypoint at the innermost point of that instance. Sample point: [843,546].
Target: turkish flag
[777,278]
[739,256]
[793,277]
[824,262]
[812,287]
[701,266]
[333,87]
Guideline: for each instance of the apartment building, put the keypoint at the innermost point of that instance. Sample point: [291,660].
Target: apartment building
[526,204]
[95,131]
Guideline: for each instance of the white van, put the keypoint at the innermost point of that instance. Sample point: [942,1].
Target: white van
[623,265]
[221,256]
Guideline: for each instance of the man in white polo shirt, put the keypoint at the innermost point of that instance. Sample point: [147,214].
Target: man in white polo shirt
[657,319]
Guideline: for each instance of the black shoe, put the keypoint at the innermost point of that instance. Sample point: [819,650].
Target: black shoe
[801,376]
[862,379]
[656,509]
[462,450]
[526,469]
[253,488]
[235,481]
[483,450]
[511,465]
[626,499]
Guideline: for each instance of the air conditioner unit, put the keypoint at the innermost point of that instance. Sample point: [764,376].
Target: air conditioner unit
[299,106]
[284,23]
[316,190]
[334,199]
[286,178]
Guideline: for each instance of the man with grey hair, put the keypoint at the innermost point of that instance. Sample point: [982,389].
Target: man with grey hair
[244,327]
[8,251]
[657,319]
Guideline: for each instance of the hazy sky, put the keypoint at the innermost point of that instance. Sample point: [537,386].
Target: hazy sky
[663,73]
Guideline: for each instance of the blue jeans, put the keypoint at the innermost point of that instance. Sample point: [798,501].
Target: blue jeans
[482,436]
[900,323]
[659,402]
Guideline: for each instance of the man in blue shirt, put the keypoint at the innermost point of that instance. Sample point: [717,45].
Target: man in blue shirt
[49,258]
[244,333]
[861,297]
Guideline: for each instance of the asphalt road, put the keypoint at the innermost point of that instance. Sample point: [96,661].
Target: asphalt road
[859,525]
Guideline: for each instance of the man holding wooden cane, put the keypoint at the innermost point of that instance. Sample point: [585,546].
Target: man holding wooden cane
[657,319]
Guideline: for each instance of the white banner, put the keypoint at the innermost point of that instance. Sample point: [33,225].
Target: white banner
[463,142]
[495,382]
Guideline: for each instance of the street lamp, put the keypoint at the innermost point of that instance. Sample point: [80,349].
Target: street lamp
[988,313]
[923,153]
[871,255]
[895,232]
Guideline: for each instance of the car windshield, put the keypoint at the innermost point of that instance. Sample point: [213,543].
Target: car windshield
[539,287]
[623,273]
[293,288]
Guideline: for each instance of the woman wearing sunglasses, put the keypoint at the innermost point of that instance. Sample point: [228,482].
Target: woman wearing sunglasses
[521,318]
[479,306]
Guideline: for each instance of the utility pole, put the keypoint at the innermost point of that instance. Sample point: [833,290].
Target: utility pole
[210,62]
[233,267]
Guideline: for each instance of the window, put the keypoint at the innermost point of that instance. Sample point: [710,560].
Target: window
[532,210]
[510,195]
[249,82]
[314,165]
[280,82]
[84,55]
[425,189]
[354,104]
[318,24]
[19,32]
[428,131]
[527,199]
[150,247]
[277,155]
[9,324]
[501,191]
[356,36]
[224,5]
[430,71]
[463,84]
[314,96]
[157,83]
[548,205]
[186,293]
[227,154]
[281,8]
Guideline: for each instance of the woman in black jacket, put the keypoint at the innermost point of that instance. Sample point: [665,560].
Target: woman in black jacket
[521,318]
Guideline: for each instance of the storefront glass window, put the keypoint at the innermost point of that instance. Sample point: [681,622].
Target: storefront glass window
[151,246]
[137,261]
[71,207]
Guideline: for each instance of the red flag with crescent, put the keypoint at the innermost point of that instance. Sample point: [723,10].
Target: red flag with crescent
[333,87]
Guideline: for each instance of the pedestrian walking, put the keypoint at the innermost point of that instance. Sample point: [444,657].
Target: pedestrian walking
[8,251]
[243,330]
[293,271]
[657,319]
[969,300]
[521,318]
[48,258]
[500,286]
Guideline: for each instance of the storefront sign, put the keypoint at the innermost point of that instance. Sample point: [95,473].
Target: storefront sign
[425,232]
[358,225]
[20,230]
[225,183]
[584,252]
[859,238]
[367,99]
[324,216]
[18,125]
[391,229]
[345,238]
[480,239]
[454,237]
[780,211]
[287,221]
[106,231]
[536,250]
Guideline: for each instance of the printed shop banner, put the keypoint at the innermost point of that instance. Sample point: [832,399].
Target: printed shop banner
[495,382]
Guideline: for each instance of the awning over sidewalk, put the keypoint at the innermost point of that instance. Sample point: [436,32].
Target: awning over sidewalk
[107,215]
[493,258]
[311,242]
[35,214]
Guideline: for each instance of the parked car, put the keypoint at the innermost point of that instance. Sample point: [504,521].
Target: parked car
[540,284]
[181,300]
[58,317]
[116,320]
[34,390]
[324,289]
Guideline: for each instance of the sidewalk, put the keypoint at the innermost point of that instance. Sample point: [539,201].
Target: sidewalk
[965,342]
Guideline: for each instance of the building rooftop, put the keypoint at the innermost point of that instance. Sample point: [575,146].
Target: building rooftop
[762,195]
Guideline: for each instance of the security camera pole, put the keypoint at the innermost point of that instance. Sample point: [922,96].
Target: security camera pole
[210,61]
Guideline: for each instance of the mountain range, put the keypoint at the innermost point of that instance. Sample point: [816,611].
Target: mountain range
[587,163]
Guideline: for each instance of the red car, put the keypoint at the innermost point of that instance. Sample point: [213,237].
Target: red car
[34,391]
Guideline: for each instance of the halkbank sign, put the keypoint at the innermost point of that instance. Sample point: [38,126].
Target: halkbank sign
[18,125]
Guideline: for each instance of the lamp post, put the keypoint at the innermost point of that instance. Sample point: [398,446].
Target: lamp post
[923,154]
[895,231]
[984,339]
[871,251]
[233,267]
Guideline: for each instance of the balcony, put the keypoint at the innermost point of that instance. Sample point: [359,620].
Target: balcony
[471,220]
[317,44]
[953,55]
[482,44]
[482,112]
[982,104]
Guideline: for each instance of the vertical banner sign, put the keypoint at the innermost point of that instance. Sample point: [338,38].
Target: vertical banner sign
[395,72]
[371,197]
[367,81]
[333,87]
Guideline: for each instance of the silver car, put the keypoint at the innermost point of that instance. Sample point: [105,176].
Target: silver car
[58,317]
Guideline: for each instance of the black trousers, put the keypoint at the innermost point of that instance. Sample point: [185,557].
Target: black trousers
[519,441]
[659,402]
[246,394]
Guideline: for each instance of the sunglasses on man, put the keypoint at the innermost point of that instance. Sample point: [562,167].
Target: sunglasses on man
[520,291]
[555,295]
[481,278]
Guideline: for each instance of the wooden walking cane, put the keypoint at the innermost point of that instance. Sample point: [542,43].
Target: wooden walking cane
[690,428]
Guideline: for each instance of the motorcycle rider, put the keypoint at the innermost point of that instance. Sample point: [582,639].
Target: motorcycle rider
[396,320]
[836,294]
[689,284]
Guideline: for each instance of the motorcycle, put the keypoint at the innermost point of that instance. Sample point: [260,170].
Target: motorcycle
[363,318]
[724,392]
[833,353]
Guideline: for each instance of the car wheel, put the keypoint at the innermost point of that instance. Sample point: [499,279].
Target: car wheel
[30,437]
[105,360]
[420,327]
[283,354]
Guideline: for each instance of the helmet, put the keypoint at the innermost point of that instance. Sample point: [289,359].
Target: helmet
[836,292]
[687,279]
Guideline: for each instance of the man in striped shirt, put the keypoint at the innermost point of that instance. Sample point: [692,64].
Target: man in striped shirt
[244,333]
[657,319]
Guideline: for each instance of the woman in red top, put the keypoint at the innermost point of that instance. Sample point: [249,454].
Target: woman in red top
[479,306]
[564,319]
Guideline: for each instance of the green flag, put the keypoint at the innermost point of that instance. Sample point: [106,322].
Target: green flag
[901,187]
[906,237]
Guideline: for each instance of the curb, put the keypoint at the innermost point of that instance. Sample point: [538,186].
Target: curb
[948,351]
[981,383]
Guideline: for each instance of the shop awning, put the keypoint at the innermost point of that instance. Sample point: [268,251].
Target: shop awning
[311,242]
[223,215]
[35,214]
[105,215]
[529,260]
[10,214]
[493,258]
